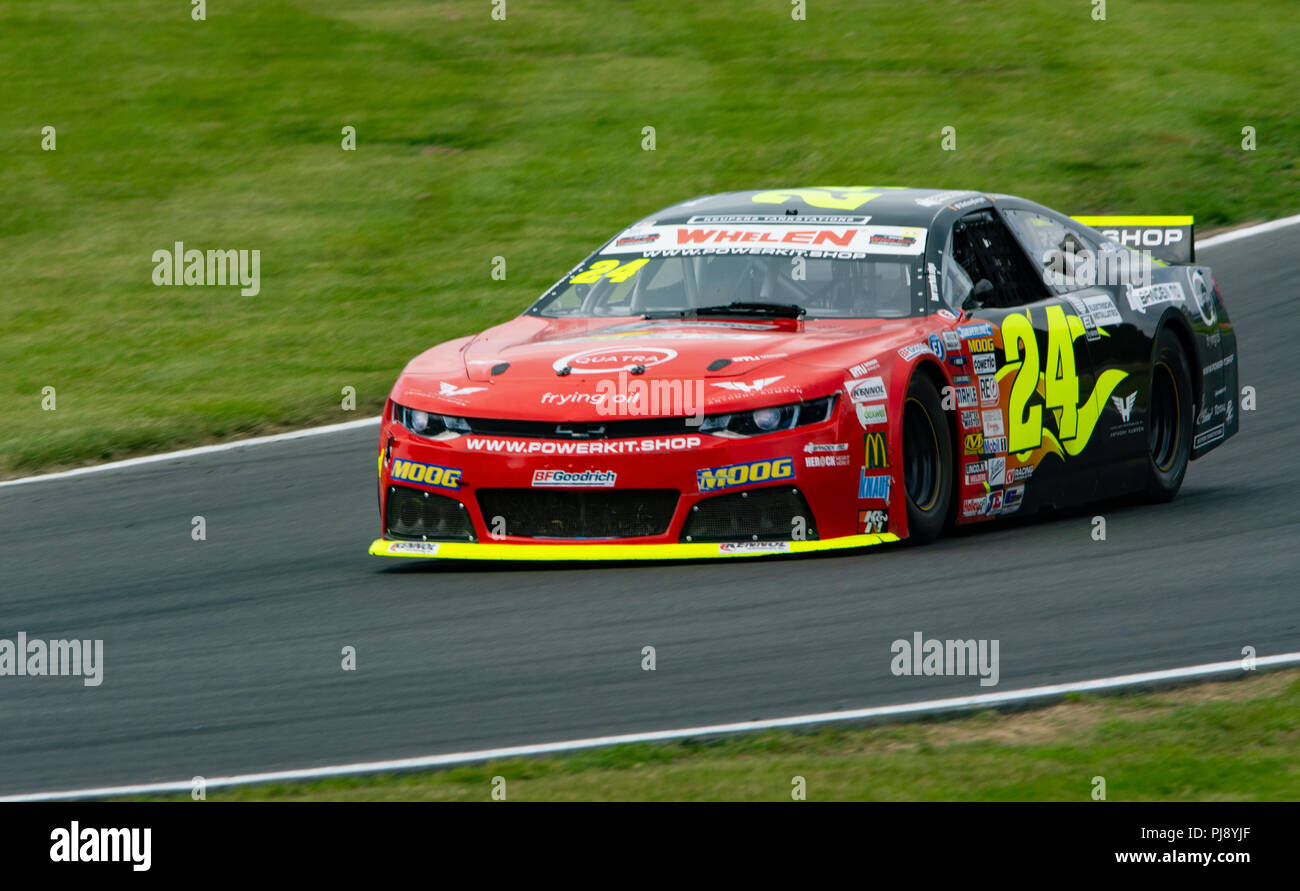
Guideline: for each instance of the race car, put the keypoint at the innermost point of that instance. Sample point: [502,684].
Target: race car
[810,369]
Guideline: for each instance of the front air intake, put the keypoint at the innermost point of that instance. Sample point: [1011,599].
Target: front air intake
[774,513]
[416,515]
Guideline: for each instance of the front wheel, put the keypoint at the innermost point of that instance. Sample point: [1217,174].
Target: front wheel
[1169,419]
[927,461]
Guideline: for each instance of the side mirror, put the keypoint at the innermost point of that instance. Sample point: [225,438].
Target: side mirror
[975,299]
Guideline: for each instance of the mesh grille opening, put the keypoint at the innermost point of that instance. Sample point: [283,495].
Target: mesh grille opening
[766,514]
[414,514]
[538,513]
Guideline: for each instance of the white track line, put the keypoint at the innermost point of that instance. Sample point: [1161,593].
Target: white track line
[1224,238]
[956,703]
[1238,234]
[200,450]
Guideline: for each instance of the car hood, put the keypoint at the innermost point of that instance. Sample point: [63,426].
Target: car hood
[514,370]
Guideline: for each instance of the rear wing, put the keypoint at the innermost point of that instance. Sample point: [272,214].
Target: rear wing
[1167,238]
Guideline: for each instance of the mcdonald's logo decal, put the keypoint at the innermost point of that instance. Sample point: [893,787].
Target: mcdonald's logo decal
[875,453]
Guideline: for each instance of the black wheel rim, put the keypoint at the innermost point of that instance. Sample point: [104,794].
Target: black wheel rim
[922,469]
[1165,426]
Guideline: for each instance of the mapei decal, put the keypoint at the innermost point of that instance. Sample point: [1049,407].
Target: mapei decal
[732,475]
[426,474]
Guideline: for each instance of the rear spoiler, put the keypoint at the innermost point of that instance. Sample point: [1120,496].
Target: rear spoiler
[1167,238]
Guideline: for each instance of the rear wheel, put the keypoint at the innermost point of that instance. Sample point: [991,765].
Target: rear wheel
[927,461]
[1169,419]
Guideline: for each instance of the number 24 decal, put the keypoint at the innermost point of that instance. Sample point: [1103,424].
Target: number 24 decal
[608,269]
[1075,421]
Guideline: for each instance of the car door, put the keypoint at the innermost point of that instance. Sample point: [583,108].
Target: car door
[1033,369]
[1091,278]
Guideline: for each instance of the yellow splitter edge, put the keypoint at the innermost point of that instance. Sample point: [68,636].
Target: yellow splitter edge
[463,550]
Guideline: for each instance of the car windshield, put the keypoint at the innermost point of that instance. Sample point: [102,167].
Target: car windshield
[875,288]
[828,272]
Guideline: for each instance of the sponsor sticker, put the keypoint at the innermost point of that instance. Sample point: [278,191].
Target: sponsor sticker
[826,461]
[871,415]
[980,344]
[430,475]
[984,363]
[997,471]
[989,394]
[1019,474]
[1214,434]
[982,329]
[995,445]
[1140,299]
[874,486]
[451,391]
[873,522]
[602,479]
[870,389]
[908,353]
[1102,309]
[1011,500]
[875,452]
[970,419]
[754,547]
[583,446]
[604,360]
[732,475]
[936,346]
[817,448]
[794,235]
[413,547]
[756,386]
[973,443]
[967,397]
[993,422]
[861,369]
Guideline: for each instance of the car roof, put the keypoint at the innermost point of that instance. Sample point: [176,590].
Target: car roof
[887,206]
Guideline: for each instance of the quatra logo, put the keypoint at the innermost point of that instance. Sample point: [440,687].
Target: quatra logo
[612,359]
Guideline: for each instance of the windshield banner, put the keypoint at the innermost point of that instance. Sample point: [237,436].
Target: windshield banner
[812,239]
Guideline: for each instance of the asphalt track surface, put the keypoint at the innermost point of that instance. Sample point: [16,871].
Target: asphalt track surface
[223,656]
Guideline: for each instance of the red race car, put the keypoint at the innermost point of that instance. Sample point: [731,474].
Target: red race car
[798,370]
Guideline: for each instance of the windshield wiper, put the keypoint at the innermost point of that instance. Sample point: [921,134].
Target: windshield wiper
[739,308]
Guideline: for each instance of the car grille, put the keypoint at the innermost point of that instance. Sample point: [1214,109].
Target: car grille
[767,514]
[622,429]
[413,514]
[537,513]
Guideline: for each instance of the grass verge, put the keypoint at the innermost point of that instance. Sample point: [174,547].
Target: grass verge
[1222,741]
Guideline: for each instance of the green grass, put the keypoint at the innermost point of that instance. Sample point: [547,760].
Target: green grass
[1213,742]
[522,139]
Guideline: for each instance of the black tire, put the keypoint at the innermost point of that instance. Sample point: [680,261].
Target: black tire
[1170,411]
[927,461]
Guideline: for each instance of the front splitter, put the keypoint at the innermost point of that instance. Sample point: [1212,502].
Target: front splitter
[462,550]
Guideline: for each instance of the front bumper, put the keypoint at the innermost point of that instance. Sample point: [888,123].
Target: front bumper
[816,466]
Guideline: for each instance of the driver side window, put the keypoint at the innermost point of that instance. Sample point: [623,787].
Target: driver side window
[985,250]
[1056,248]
